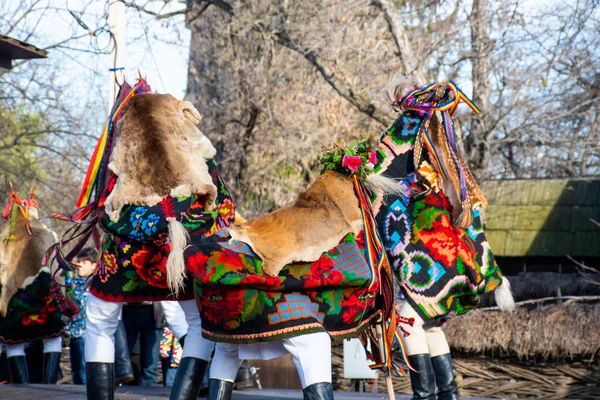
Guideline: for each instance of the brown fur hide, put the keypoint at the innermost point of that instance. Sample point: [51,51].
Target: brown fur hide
[159,152]
[319,219]
[21,259]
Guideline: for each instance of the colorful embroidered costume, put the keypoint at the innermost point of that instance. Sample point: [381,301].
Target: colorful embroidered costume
[152,184]
[132,266]
[240,304]
[31,312]
[28,310]
[443,269]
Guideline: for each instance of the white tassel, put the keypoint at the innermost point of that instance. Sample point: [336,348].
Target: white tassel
[504,297]
[389,186]
[175,261]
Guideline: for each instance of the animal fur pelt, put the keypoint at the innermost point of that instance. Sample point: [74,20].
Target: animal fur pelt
[319,219]
[21,258]
[159,152]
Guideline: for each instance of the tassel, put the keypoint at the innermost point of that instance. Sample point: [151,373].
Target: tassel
[175,262]
[504,297]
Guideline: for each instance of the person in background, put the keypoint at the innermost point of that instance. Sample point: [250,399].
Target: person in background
[75,326]
[144,320]
[170,355]
[124,373]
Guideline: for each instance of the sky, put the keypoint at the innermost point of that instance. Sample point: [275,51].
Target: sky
[158,48]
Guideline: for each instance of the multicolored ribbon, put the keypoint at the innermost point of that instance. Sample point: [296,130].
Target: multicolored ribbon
[414,99]
[103,147]
[16,204]
[445,99]
[85,217]
[379,349]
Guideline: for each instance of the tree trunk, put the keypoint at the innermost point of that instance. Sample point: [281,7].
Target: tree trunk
[477,143]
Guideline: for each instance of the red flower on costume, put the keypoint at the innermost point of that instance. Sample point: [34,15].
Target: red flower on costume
[152,268]
[351,162]
[438,200]
[221,307]
[230,259]
[322,273]
[261,281]
[108,266]
[446,243]
[35,319]
[352,308]
[197,264]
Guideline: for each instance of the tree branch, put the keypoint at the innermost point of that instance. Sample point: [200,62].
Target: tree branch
[361,105]
[396,27]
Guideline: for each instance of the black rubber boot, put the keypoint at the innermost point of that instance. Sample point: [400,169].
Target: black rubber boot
[51,366]
[219,390]
[318,391]
[444,377]
[422,381]
[17,366]
[188,379]
[100,380]
[243,379]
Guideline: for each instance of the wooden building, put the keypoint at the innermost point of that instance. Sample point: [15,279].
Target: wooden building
[534,224]
[13,49]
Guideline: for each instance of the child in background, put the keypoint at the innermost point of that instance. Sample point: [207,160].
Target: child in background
[75,326]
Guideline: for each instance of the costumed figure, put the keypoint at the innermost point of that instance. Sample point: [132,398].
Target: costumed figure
[433,232]
[287,281]
[28,310]
[152,185]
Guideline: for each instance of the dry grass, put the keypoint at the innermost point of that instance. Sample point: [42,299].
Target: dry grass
[559,331]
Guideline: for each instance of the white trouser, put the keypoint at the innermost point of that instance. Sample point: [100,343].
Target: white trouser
[311,354]
[195,345]
[102,318]
[175,318]
[101,324]
[53,345]
[430,341]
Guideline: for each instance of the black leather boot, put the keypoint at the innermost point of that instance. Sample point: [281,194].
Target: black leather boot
[100,380]
[422,381]
[318,391]
[17,366]
[219,390]
[51,365]
[188,379]
[243,379]
[444,377]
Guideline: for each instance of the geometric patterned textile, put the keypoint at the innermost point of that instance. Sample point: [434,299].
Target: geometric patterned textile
[32,313]
[239,304]
[132,266]
[442,269]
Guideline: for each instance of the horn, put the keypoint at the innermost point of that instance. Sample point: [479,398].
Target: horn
[190,112]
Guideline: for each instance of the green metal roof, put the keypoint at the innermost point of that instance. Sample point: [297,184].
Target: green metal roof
[543,217]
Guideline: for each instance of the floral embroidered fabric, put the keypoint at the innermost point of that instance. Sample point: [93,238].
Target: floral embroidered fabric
[32,313]
[132,266]
[240,304]
[442,269]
